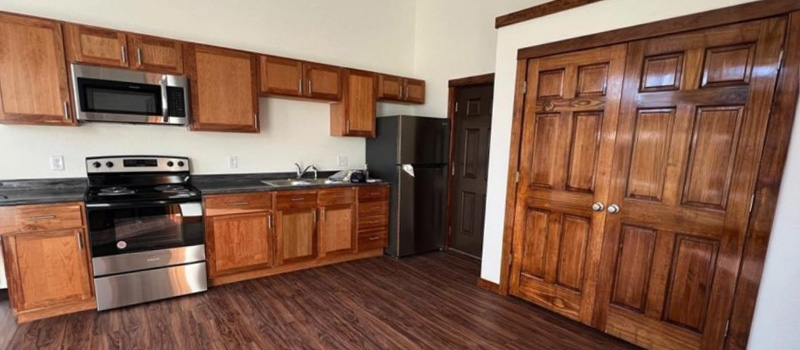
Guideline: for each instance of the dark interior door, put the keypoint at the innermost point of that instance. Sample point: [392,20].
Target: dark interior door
[473,120]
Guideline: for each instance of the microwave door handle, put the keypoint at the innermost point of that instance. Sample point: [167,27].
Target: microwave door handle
[164,105]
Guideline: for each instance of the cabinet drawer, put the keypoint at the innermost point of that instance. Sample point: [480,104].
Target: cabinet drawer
[336,196]
[41,218]
[373,208]
[372,222]
[237,203]
[371,240]
[295,199]
[373,193]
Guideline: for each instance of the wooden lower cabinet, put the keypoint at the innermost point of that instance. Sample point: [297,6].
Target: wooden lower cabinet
[303,228]
[48,270]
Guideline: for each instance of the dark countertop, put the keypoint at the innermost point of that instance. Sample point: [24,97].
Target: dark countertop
[41,191]
[240,183]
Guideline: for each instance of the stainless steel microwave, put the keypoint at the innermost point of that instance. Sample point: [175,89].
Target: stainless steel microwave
[128,96]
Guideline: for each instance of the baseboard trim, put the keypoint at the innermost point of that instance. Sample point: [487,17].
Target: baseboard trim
[490,286]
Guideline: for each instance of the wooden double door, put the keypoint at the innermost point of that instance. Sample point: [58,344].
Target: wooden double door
[637,170]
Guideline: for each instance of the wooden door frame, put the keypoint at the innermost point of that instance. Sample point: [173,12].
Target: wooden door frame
[454,84]
[773,158]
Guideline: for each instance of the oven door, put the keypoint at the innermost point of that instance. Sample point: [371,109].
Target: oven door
[140,236]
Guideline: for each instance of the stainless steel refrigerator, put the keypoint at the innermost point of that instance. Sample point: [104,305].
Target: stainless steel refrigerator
[412,153]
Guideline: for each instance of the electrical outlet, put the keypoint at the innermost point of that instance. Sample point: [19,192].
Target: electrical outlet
[57,163]
[233,162]
[341,160]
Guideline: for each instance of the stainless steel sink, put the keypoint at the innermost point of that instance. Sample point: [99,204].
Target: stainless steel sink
[297,182]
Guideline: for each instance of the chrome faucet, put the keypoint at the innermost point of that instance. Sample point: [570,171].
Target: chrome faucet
[301,171]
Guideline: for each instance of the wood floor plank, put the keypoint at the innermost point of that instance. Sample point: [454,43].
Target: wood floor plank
[423,302]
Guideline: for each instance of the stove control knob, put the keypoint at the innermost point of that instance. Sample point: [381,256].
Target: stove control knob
[170,164]
[96,164]
[110,164]
[181,164]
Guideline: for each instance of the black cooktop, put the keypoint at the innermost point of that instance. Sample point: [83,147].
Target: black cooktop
[117,194]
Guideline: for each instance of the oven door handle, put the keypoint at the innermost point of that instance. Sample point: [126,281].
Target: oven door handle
[164,102]
[143,204]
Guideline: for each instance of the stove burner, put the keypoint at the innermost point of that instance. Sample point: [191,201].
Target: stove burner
[115,191]
[171,189]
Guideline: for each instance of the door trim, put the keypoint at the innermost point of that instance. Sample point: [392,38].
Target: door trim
[454,84]
[771,166]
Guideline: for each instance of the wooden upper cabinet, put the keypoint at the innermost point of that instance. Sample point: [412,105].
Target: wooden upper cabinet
[415,91]
[34,87]
[281,76]
[355,115]
[394,88]
[94,45]
[155,54]
[322,81]
[390,87]
[47,269]
[223,87]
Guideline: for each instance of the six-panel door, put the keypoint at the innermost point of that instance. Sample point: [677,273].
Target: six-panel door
[568,132]
[694,114]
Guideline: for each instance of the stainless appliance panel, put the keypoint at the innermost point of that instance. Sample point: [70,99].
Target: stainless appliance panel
[422,207]
[422,140]
[115,264]
[139,77]
[138,287]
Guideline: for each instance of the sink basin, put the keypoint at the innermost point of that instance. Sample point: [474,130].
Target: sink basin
[297,182]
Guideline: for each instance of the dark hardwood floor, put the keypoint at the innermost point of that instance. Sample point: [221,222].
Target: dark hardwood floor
[424,302]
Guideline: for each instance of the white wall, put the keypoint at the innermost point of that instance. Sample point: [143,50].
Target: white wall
[456,39]
[369,34]
[778,308]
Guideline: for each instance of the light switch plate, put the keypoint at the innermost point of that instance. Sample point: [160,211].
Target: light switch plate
[341,160]
[57,163]
[233,162]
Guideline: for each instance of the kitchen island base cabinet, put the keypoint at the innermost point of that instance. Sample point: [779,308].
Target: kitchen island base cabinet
[46,260]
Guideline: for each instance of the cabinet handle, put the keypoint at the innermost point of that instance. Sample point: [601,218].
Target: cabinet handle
[406,93]
[347,125]
[80,240]
[41,217]
[315,216]
[324,215]
[297,199]
[124,55]
[240,203]
[139,56]
[300,85]
[66,110]
[269,220]
[309,87]
[373,238]
[613,209]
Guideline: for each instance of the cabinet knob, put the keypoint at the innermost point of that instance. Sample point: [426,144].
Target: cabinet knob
[613,209]
[597,206]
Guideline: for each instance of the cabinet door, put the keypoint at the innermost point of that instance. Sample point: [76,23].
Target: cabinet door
[47,269]
[296,234]
[281,76]
[224,91]
[390,87]
[337,229]
[355,115]
[322,81]
[96,45]
[156,54]
[414,91]
[33,74]
[238,242]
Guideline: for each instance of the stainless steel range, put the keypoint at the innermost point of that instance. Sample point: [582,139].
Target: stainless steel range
[146,229]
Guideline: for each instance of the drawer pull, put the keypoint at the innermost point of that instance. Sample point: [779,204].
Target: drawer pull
[373,238]
[240,203]
[297,199]
[41,217]
[80,240]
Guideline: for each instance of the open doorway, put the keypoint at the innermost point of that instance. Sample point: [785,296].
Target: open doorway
[470,114]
